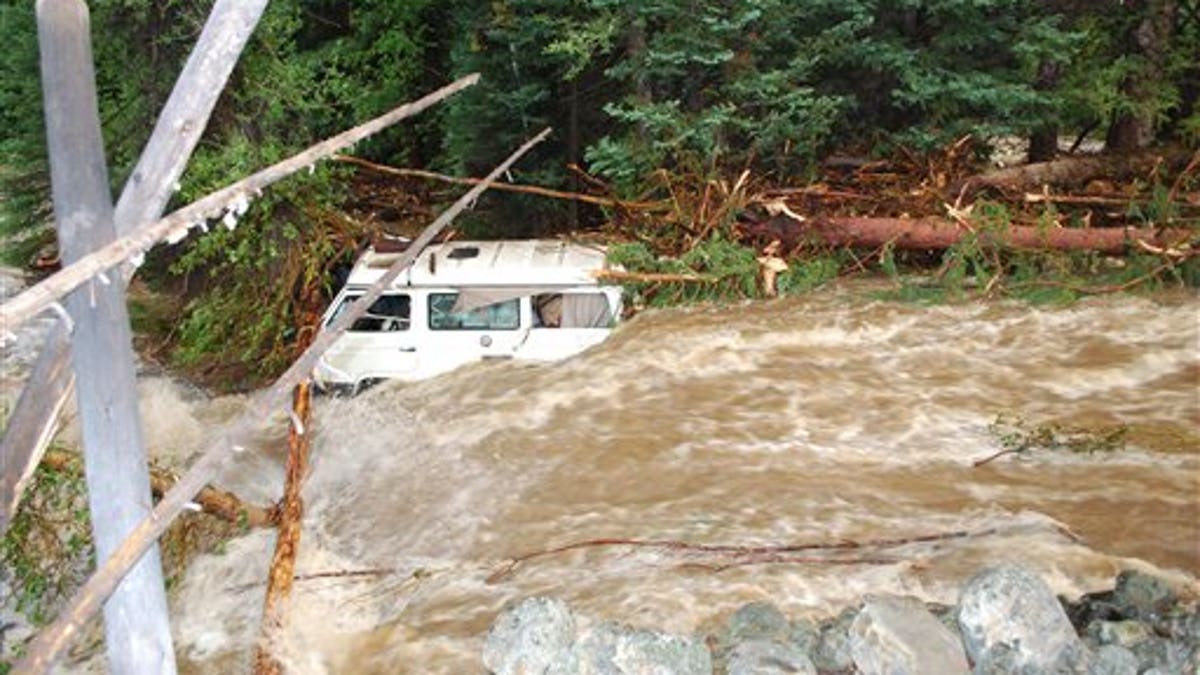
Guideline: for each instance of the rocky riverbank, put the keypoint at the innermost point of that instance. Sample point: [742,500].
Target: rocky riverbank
[1007,620]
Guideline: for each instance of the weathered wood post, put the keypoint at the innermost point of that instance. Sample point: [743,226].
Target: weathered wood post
[137,632]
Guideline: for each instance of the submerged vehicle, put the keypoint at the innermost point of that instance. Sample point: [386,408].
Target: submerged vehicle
[467,301]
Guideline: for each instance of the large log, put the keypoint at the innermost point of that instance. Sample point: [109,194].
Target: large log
[938,233]
[1067,172]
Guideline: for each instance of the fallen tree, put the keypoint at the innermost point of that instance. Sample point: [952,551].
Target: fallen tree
[1068,172]
[939,233]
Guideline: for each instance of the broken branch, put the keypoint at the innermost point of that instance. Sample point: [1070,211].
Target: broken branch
[507,187]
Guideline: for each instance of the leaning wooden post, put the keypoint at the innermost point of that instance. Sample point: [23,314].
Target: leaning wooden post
[287,541]
[137,632]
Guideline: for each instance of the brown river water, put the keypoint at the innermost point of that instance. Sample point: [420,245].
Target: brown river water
[816,420]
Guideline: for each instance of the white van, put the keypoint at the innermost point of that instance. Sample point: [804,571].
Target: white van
[465,301]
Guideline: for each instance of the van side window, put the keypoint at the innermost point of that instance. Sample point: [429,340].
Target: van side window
[504,315]
[390,312]
[572,310]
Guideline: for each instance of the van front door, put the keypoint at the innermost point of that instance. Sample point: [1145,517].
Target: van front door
[380,343]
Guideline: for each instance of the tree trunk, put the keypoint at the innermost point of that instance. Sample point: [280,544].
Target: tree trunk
[1067,172]
[1133,126]
[937,233]
[1043,142]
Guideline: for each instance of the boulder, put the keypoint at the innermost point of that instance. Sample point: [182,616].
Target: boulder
[757,620]
[804,635]
[766,657]
[1113,660]
[1166,655]
[898,636]
[1121,633]
[833,645]
[530,637]
[1010,620]
[616,649]
[1141,596]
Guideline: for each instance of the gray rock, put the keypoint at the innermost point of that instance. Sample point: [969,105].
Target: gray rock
[757,620]
[1184,626]
[616,649]
[833,645]
[804,635]
[1142,596]
[527,639]
[767,657]
[1121,633]
[1009,618]
[1166,655]
[1113,660]
[898,636]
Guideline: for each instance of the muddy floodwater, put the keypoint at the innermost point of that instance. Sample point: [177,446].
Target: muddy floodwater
[824,419]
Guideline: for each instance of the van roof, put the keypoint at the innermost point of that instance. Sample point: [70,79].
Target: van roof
[537,262]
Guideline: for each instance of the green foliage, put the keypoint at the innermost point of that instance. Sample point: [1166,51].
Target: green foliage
[720,270]
[24,183]
[808,274]
[1017,436]
[48,546]
[253,275]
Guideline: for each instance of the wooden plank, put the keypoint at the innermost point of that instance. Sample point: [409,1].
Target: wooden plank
[53,639]
[136,629]
[35,416]
[42,295]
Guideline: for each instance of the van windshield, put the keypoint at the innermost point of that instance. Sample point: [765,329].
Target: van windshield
[499,316]
[390,312]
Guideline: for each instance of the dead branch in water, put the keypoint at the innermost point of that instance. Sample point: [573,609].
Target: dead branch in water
[213,501]
[743,555]
[785,560]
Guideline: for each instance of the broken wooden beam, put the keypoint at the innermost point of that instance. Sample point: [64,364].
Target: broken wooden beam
[212,500]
